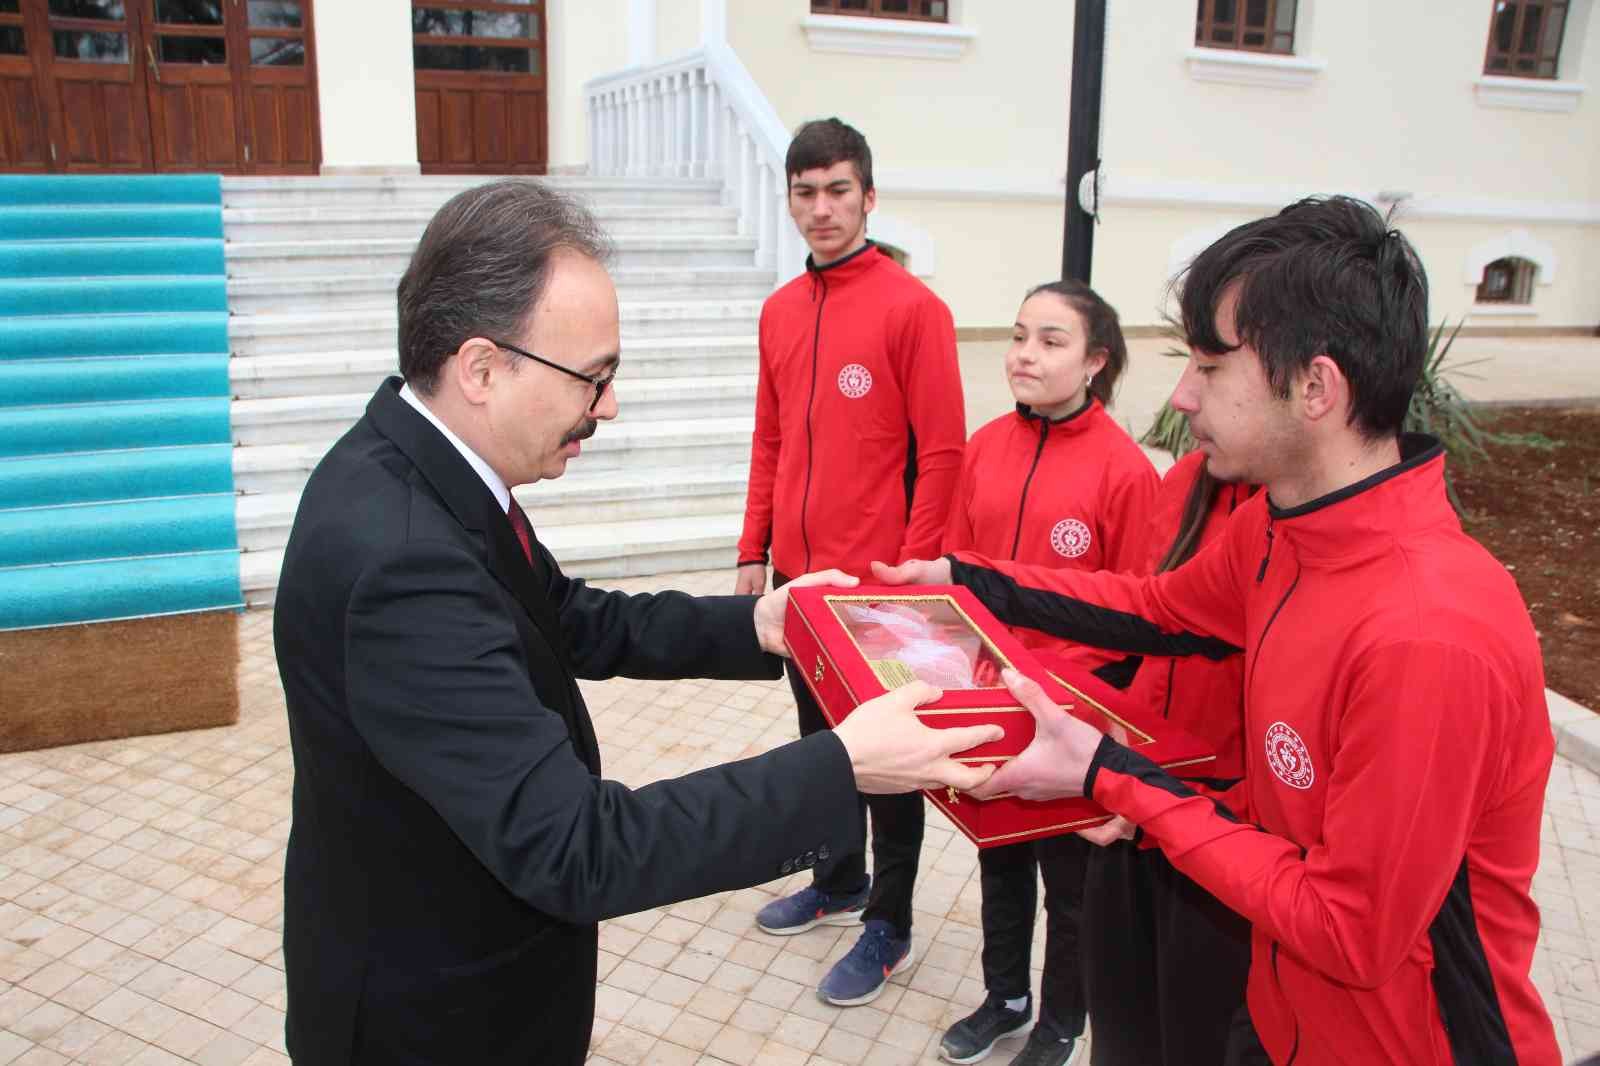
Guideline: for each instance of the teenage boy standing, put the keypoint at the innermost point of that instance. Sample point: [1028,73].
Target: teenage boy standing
[1383,841]
[859,430]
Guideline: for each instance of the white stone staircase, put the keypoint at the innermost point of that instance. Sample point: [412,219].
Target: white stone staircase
[312,269]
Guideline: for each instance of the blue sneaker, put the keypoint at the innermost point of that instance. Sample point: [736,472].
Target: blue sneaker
[811,907]
[859,977]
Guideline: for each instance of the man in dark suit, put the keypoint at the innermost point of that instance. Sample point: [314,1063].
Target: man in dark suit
[453,843]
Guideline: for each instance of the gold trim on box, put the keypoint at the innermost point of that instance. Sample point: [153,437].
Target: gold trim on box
[1144,738]
[1072,826]
[944,598]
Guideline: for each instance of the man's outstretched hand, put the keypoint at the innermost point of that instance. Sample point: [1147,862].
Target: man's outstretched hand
[892,751]
[1055,764]
[913,572]
[770,608]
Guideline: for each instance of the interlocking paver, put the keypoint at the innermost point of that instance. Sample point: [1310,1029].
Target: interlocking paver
[141,901]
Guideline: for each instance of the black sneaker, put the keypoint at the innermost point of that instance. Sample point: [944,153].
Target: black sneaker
[973,1037]
[1047,1047]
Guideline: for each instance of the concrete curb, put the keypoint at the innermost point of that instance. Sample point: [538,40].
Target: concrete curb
[1577,730]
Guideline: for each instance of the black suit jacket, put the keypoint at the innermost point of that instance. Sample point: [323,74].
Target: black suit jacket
[453,843]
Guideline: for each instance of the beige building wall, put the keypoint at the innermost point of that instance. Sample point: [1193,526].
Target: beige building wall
[587,38]
[366,87]
[1392,107]
[969,151]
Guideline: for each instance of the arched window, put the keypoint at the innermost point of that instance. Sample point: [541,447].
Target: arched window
[1507,281]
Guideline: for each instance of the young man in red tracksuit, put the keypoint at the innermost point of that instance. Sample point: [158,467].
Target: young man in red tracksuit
[1397,742]
[859,429]
[1054,483]
[1165,961]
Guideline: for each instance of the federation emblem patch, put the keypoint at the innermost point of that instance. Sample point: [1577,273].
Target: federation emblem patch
[1288,757]
[1070,538]
[855,381]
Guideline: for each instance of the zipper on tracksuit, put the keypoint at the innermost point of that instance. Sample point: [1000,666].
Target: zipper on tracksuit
[1022,505]
[811,399]
[1249,675]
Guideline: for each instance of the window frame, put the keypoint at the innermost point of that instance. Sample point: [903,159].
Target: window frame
[1206,27]
[1491,52]
[1522,274]
[875,11]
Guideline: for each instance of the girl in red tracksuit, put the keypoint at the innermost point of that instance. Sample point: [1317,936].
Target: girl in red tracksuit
[1056,482]
[1166,961]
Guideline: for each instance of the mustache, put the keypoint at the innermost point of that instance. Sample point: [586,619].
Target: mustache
[582,432]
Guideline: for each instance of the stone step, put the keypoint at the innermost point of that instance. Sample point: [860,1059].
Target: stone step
[328,292]
[390,255]
[374,327]
[319,372]
[370,221]
[433,190]
[578,499]
[292,419]
[608,550]
[634,448]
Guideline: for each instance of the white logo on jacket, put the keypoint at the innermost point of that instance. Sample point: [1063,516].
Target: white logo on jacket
[855,381]
[1288,756]
[1070,538]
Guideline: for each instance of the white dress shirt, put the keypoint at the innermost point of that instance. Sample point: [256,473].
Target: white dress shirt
[490,478]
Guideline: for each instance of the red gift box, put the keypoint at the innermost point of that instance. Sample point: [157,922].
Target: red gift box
[852,645]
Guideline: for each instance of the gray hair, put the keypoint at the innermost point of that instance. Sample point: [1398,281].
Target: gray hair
[481,267]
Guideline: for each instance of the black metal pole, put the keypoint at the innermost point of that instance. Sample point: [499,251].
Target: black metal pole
[1083,133]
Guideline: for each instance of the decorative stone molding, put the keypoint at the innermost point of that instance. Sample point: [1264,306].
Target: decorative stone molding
[907,38]
[1253,68]
[1528,94]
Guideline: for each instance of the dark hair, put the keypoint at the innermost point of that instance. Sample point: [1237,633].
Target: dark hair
[1322,276]
[822,143]
[1196,508]
[481,267]
[1104,330]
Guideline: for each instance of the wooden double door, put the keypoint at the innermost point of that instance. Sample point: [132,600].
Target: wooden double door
[480,72]
[158,85]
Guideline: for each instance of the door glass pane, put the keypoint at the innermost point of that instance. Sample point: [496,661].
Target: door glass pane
[1530,31]
[1223,11]
[1285,16]
[87,9]
[11,41]
[275,14]
[894,7]
[10,5]
[192,49]
[467,57]
[190,12]
[1255,13]
[439,22]
[91,47]
[1254,39]
[1504,21]
[277,52]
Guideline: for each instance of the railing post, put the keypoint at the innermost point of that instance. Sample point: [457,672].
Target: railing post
[697,136]
[713,142]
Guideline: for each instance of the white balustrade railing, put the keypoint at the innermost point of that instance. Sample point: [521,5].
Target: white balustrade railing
[700,115]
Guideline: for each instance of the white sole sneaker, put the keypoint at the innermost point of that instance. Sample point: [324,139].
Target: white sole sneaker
[836,918]
[906,960]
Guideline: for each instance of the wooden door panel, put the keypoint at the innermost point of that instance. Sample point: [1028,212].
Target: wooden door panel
[102,124]
[455,122]
[283,134]
[489,128]
[429,138]
[23,146]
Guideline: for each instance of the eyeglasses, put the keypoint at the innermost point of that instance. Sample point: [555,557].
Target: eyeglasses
[600,384]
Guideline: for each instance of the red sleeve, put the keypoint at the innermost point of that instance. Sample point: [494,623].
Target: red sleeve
[958,531]
[1416,740]
[931,379]
[757,534]
[1196,609]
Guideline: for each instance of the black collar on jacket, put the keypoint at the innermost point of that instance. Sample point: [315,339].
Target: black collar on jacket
[1030,415]
[470,501]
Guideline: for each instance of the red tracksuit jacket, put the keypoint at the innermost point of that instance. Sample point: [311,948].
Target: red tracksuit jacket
[1075,492]
[1201,696]
[1397,747]
[859,420]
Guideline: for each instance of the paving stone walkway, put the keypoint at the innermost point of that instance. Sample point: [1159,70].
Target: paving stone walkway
[141,901]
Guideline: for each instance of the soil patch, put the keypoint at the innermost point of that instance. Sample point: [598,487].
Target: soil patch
[1537,510]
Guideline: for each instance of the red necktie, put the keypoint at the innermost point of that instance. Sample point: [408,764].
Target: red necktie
[519,524]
